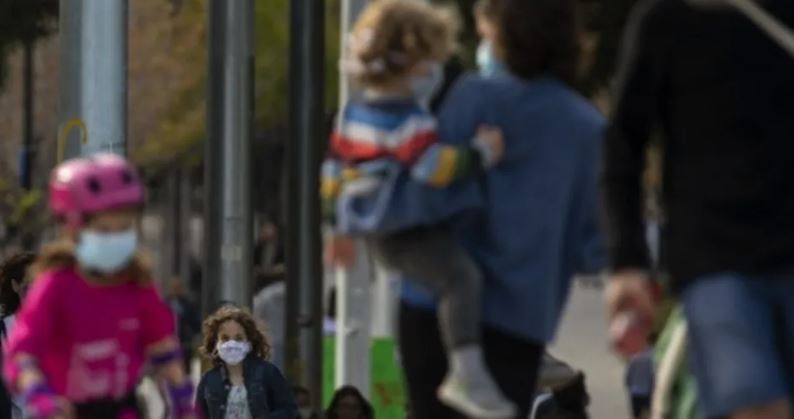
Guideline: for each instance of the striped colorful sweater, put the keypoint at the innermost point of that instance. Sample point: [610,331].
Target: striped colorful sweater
[376,146]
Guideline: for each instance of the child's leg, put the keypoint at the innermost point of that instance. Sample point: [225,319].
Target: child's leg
[433,258]
[436,261]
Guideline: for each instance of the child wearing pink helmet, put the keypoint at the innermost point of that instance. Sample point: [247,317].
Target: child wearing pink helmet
[93,320]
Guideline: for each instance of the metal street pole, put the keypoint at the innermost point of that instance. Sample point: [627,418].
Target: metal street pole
[228,243]
[353,290]
[26,156]
[304,292]
[93,76]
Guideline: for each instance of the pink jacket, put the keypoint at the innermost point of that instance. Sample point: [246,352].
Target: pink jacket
[89,340]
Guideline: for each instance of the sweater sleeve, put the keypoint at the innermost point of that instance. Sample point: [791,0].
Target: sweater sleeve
[36,322]
[454,157]
[639,86]
[158,321]
[34,330]
[330,185]
[441,165]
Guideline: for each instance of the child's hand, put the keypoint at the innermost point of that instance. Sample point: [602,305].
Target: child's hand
[340,251]
[490,142]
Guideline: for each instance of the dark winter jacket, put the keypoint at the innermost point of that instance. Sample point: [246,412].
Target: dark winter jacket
[722,93]
[269,395]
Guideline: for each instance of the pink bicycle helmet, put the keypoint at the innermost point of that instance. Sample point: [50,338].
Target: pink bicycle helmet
[85,186]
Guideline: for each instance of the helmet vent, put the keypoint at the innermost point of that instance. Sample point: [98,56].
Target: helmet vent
[94,185]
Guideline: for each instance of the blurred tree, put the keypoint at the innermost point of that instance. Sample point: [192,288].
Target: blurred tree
[182,125]
[23,21]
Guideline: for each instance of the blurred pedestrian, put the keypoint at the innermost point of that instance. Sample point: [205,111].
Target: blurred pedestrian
[269,259]
[188,319]
[242,383]
[304,403]
[13,285]
[93,317]
[535,216]
[722,92]
[389,139]
[270,306]
[349,403]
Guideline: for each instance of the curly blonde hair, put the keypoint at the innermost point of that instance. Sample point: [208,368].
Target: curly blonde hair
[392,36]
[260,346]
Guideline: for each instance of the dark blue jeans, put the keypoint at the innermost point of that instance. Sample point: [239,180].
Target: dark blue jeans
[741,340]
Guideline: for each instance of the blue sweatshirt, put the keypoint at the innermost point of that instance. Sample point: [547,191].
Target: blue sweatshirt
[537,224]
[384,154]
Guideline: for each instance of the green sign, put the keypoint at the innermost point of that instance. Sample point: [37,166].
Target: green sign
[388,393]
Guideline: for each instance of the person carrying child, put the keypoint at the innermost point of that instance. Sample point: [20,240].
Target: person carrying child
[385,155]
[93,319]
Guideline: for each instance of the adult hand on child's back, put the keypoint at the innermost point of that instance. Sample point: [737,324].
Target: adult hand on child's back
[490,142]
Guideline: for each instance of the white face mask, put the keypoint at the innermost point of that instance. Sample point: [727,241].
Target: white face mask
[425,86]
[489,65]
[106,253]
[233,352]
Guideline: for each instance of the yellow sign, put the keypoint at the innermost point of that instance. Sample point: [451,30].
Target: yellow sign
[66,129]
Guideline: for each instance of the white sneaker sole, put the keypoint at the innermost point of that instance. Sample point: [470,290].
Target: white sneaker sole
[458,401]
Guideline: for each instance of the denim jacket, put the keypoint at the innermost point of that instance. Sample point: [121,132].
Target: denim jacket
[269,395]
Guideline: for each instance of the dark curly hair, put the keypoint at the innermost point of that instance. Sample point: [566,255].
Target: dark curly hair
[14,268]
[367,412]
[260,346]
[538,37]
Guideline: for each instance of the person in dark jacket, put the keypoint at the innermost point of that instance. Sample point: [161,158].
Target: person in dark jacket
[304,402]
[722,92]
[13,284]
[242,384]
[188,319]
[349,403]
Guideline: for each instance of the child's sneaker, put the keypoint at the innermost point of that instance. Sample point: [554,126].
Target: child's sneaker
[470,389]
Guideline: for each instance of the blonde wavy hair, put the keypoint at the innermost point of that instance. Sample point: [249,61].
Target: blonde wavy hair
[392,36]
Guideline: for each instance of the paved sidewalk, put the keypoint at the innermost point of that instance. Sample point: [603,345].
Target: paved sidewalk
[583,343]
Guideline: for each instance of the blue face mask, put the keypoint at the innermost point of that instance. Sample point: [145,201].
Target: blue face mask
[425,86]
[489,65]
[106,253]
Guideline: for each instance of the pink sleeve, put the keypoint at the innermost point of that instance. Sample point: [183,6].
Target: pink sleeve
[157,318]
[35,322]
